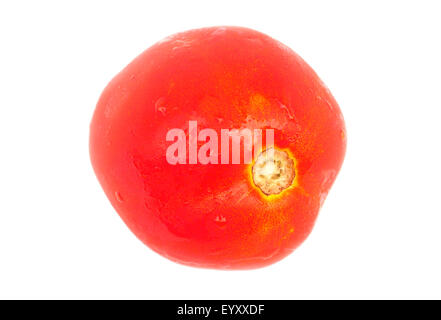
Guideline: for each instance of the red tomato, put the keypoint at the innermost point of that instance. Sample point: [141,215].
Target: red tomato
[217,215]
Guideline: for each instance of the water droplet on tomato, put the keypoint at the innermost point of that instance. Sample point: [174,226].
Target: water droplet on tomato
[119,197]
[160,106]
[220,220]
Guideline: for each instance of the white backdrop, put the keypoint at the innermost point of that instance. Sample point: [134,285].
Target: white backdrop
[378,234]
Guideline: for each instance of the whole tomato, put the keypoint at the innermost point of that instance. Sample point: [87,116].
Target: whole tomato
[164,143]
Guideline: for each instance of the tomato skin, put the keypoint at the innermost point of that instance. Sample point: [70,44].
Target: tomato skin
[213,216]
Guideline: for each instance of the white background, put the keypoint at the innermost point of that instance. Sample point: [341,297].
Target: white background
[379,232]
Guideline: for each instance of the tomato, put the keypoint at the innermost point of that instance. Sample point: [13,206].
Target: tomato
[162,139]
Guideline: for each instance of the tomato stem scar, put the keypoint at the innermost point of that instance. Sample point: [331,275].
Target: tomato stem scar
[273,171]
